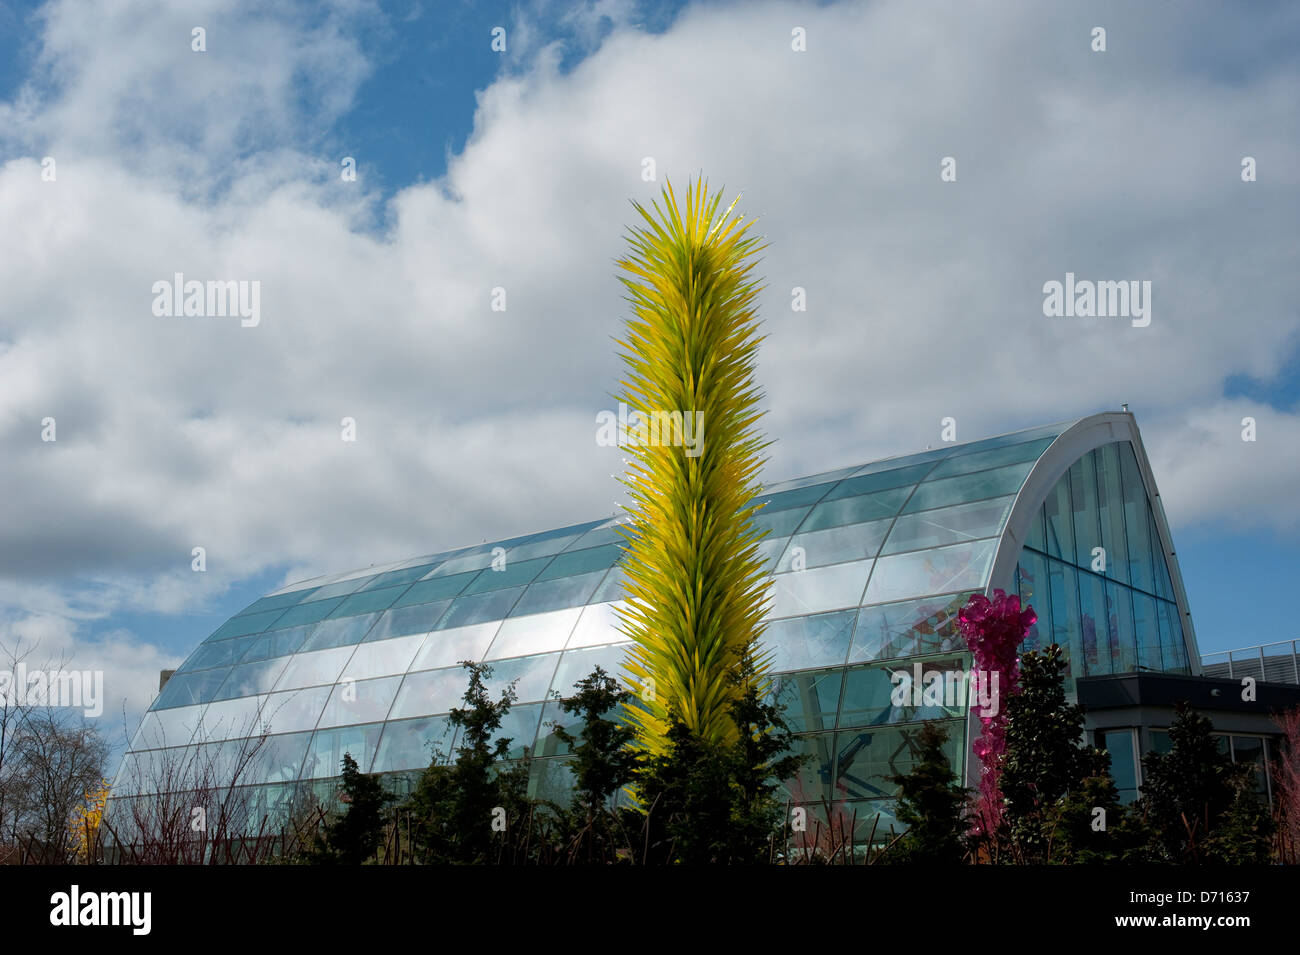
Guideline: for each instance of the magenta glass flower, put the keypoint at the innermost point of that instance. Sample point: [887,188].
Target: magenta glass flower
[993,630]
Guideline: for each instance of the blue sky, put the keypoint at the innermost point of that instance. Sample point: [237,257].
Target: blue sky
[479,169]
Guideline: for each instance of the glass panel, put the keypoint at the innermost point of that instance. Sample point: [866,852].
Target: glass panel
[295,709]
[1148,632]
[538,546]
[969,487]
[856,510]
[903,477]
[520,727]
[1123,762]
[220,765]
[431,691]
[1066,623]
[370,600]
[577,665]
[810,699]
[936,571]
[1036,536]
[340,588]
[1083,505]
[339,632]
[949,525]
[325,755]
[1124,654]
[536,633]
[769,553]
[825,588]
[258,648]
[435,588]
[558,594]
[446,648]
[308,612]
[186,689]
[404,621]
[584,561]
[1034,592]
[406,575]
[867,759]
[1110,512]
[278,602]
[468,561]
[598,624]
[1173,651]
[825,477]
[533,673]
[780,523]
[228,719]
[310,669]
[383,658]
[801,643]
[1095,624]
[548,744]
[136,775]
[870,696]
[362,701]
[612,587]
[170,727]
[479,608]
[1164,586]
[284,642]
[835,545]
[910,628]
[1058,511]
[410,744]
[278,759]
[214,655]
[252,623]
[251,678]
[992,458]
[510,575]
[813,781]
[1136,521]
[800,497]
[607,534]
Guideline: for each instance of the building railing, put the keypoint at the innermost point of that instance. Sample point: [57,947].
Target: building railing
[1268,663]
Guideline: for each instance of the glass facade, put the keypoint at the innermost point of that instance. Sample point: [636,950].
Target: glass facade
[870,566]
[1094,570]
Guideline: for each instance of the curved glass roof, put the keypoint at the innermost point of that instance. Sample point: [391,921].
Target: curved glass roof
[869,564]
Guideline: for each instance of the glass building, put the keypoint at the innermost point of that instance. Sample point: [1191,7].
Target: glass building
[870,565]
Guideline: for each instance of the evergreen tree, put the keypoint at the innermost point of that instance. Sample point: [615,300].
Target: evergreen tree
[930,804]
[1090,825]
[353,836]
[712,802]
[466,812]
[1243,835]
[1199,807]
[1045,759]
[760,760]
[603,763]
